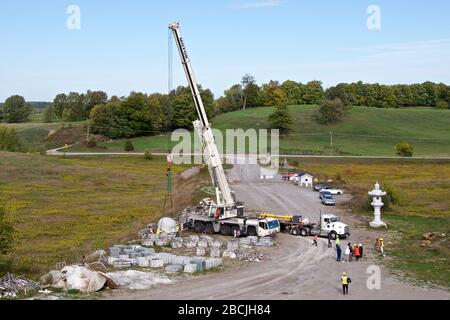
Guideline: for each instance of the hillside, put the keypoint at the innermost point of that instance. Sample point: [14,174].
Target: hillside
[364,132]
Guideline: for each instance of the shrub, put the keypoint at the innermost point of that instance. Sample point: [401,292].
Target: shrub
[148,155]
[128,147]
[442,104]
[9,140]
[404,149]
[339,178]
[295,163]
[90,143]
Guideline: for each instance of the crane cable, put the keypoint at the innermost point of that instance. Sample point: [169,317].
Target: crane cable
[170,63]
[169,79]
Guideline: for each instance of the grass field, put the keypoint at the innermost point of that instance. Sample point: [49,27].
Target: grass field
[423,206]
[365,132]
[70,207]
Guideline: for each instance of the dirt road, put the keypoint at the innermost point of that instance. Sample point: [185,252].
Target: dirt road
[297,269]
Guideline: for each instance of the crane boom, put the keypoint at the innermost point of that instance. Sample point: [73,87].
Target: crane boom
[203,127]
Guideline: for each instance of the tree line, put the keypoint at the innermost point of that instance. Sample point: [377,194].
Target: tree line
[147,114]
[248,94]
[141,114]
[427,94]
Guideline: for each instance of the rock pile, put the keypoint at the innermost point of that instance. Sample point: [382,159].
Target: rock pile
[12,285]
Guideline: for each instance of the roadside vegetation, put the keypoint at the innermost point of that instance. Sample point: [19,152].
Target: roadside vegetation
[419,205]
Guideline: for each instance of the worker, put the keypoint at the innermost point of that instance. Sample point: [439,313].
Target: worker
[330,245]
[381,244]
[338,241]
[356,253]
[350,256]
[315,240]
[345,282]
[347,254]
[361,251]
[158,231]
[177,229]
[339,253]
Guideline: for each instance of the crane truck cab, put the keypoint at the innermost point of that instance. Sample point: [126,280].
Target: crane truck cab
[231,226]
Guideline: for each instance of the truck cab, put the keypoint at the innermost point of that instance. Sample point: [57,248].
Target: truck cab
[268,227]
[330,225]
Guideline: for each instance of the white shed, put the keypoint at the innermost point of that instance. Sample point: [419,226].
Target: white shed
[306,180]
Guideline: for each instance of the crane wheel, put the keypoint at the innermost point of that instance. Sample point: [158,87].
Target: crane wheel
[235,228]
[199,227]
[251,232]
[225,230]
[295,232]
[209,228]
[304,232]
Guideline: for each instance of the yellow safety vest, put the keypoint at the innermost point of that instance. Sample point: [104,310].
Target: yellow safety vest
[344,280]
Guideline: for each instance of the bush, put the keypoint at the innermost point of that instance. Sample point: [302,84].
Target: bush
[148,155]
[404,149]
[128,147]
[9,140]
[90,143]
[442,104]
[339,178]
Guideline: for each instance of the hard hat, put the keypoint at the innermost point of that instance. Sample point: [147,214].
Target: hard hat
[344,274]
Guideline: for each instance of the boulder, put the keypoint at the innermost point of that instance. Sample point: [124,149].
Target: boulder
[429,236]
[54,278]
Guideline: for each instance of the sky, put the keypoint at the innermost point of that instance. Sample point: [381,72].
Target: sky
[122,45]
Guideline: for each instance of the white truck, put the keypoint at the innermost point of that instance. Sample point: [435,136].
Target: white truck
[225,215]
[329,226]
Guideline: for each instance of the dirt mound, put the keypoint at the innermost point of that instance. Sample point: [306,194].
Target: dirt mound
[67,136]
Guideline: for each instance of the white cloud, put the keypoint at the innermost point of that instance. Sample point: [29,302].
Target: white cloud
[260,4]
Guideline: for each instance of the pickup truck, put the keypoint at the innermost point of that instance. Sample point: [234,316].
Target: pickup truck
[327,199]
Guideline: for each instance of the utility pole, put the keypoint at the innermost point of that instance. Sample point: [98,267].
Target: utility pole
[331,141]
[169,195]
[88,135]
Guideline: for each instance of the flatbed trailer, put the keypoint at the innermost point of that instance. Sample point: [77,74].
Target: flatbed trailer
[329,225]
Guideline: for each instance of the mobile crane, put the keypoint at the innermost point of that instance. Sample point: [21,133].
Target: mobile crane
[226,215]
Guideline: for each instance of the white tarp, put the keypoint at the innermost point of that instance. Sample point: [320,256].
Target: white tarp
[83,279]
[167,225]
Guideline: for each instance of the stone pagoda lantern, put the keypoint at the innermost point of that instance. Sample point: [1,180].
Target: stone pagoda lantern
[377,204]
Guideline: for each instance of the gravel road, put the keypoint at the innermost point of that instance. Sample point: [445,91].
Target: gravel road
[297,269]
